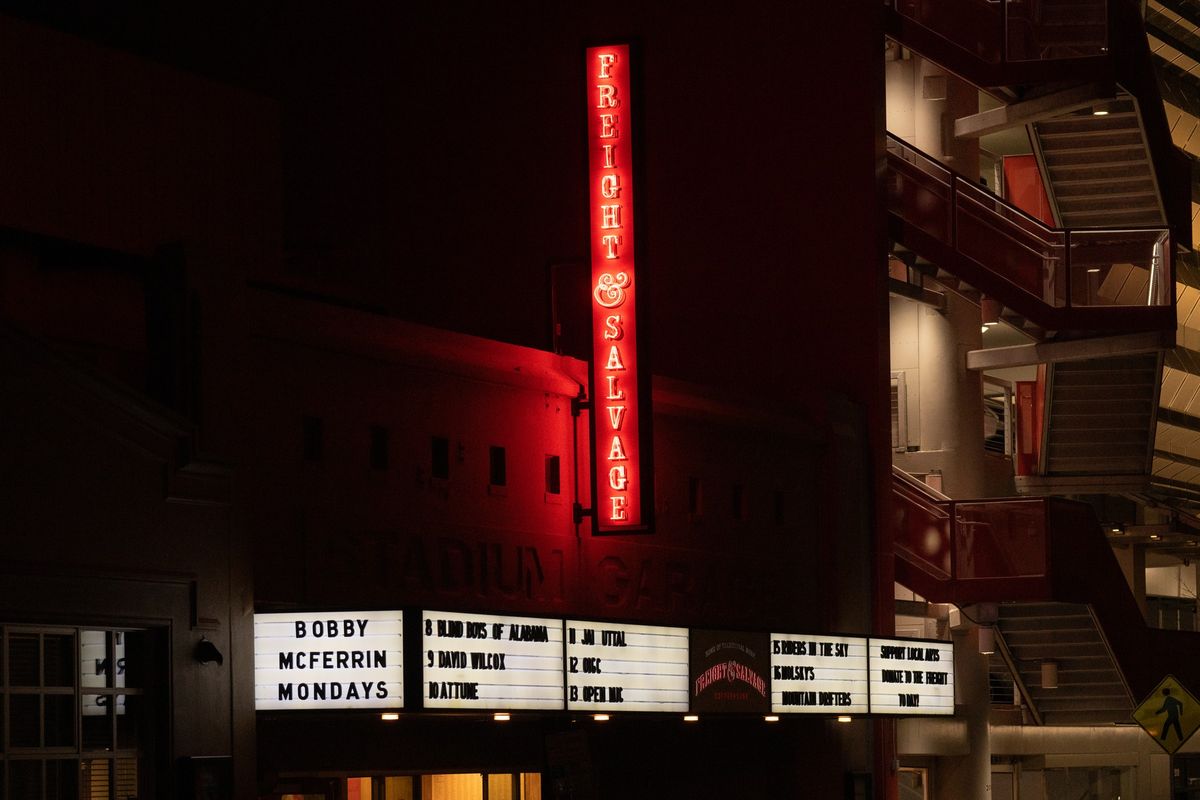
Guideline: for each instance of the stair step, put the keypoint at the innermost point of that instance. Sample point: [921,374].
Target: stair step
[1114,120]
[1107,182]
[1051,636]
[1103,220]
[1082,718]
[1066,141]
[1114,438]
[1113,363]
[1142,210]
[1099,156]
[1139,192]
[1102,378]
[1108,204]
[1132,453]
[1100,422]
[1066,468]
[1131,391]
[1061,165]
[1101,406]
[1040,616]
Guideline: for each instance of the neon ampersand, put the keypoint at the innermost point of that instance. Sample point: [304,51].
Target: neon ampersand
[610,291]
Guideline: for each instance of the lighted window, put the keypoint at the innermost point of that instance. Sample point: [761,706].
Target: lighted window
[379,447]
[497,466]
[440,465]
[553,475]
[313,438]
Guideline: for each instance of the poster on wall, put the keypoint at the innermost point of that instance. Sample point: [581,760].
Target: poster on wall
[911,677]
[329,659]
[819,674]
[95,668]
[614,667]
[729,672]
[491,662]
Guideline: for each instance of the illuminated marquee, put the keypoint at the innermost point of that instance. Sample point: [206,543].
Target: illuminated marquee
[616,424]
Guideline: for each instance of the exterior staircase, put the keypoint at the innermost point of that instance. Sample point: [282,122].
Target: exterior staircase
[1060,592]
[1101,415]
[1098,169]
[1091,689]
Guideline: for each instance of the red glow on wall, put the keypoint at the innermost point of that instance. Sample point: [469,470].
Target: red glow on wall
[615,378]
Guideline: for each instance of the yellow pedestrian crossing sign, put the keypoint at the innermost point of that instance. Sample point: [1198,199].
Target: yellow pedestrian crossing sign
[1170,714]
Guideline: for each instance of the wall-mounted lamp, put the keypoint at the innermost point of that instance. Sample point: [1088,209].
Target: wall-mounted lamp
[206,651]
[987,640]
[1049,674]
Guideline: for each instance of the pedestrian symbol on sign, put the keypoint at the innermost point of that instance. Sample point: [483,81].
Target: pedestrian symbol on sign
[1171,707]
[1170,714]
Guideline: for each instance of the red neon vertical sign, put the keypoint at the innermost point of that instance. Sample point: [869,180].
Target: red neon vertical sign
[617,504]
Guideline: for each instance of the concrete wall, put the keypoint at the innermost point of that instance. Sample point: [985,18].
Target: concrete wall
[945,407]
[1042,747]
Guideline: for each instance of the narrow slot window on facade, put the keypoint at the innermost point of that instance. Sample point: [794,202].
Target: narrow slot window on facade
[695,497]
[779,507]
[379,447]
[497,467]
[739,501]
[553,475]
[313,436]
[440,464]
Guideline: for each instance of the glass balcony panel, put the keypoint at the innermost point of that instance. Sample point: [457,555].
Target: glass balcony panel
[1120,268]
[1000,539]
[923,532]
[974,25]
[1043,30]
[919,191]
[1010,244]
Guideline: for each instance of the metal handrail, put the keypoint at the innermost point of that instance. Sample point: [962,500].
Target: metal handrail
[904,157]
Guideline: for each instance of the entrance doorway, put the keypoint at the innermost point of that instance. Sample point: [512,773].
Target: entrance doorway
[444,786]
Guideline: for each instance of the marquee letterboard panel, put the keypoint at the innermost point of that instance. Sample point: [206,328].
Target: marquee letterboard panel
[911,677]
[329,659]
[818,674]
[484,661]
[614,667]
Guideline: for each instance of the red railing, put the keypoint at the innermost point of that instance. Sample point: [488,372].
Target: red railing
[1029,550]
[978,546]
[1056,277]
